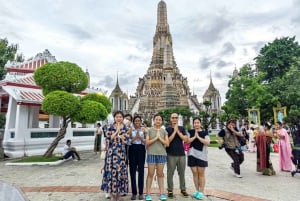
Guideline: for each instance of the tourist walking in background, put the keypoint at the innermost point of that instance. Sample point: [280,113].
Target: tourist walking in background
[198,156]
[263,143]
[97,141]
[176,158]
[252,132]
[156,141]
[137,156]
[115,176]
[232,145]
[285,149]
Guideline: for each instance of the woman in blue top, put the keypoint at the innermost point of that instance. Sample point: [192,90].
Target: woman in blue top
[115,176]
[197,156]
[137,156]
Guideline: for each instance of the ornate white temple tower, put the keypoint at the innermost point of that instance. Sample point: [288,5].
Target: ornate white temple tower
[163,86]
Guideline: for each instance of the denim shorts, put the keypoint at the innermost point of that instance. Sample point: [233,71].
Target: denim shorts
[156,159]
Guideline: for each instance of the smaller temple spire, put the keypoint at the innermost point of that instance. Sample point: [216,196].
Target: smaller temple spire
[117,87]
[118,78]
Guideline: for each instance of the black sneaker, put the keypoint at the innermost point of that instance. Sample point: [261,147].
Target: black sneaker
[184,193]
[133,197]
[141,197]
[170,194]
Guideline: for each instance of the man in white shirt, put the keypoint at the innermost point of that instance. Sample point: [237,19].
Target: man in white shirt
[70,151]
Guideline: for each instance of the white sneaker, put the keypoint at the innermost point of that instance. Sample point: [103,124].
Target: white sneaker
[107,195]
[238,175]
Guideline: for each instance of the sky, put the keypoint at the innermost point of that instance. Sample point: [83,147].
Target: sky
[116,37]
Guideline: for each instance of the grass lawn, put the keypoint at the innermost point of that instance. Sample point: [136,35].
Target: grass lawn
[33,159]
[214,141]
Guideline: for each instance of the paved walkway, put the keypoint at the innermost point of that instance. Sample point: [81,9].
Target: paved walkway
[79,181]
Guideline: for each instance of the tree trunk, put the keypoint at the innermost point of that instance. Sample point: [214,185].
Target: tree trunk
[61,134]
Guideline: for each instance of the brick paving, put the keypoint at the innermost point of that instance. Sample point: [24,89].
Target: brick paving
[72,181]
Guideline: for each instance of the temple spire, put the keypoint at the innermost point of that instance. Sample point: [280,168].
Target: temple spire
[117,87]
[162,20]
[162,41]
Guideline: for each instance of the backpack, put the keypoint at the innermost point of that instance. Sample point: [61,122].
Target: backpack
[242,140]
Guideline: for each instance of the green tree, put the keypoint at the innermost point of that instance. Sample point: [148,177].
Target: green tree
[286,87]
[59,82]
[247,91]
[237,98]
[208,118]
[185,112]
[276,58]
[8,53]
[275,80]
[278,67]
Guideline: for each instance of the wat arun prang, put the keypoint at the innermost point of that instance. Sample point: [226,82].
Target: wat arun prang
[163,86]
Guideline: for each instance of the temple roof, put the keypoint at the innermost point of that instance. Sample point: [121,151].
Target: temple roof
[211,90]
[117,91]
[24,95]
[25,81]
[30,65]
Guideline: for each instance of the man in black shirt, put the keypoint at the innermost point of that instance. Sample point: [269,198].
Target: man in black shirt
[176,155]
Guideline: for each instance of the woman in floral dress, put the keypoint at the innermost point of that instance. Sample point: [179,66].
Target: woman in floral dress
[115,176]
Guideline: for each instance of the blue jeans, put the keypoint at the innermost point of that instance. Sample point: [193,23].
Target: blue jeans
[68,154]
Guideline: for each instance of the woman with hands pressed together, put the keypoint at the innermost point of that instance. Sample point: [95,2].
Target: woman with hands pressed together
[156,141]
[137,155]
[115,176]
[197,156]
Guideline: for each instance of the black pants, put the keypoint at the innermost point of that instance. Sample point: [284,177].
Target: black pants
[137,156]
[237,158]
[71,153]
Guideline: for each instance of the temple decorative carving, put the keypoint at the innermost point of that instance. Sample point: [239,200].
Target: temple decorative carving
[163,86]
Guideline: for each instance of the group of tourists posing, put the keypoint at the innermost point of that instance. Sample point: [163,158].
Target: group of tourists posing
[128,142]
[134,144]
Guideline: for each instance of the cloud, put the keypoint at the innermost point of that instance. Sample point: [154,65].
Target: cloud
[228,48]
[116,36]
[77,32]
[211,29]
[222,63]
[260,44]
[106,81]
[296,13]
[204,63]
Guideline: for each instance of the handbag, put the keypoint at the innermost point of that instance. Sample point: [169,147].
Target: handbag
[186,146]
[275,148]
[102,156]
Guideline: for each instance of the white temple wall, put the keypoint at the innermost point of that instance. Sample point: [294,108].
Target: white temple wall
[33,116]
[21,120]
[11,115]
[35,141]
[54,121]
